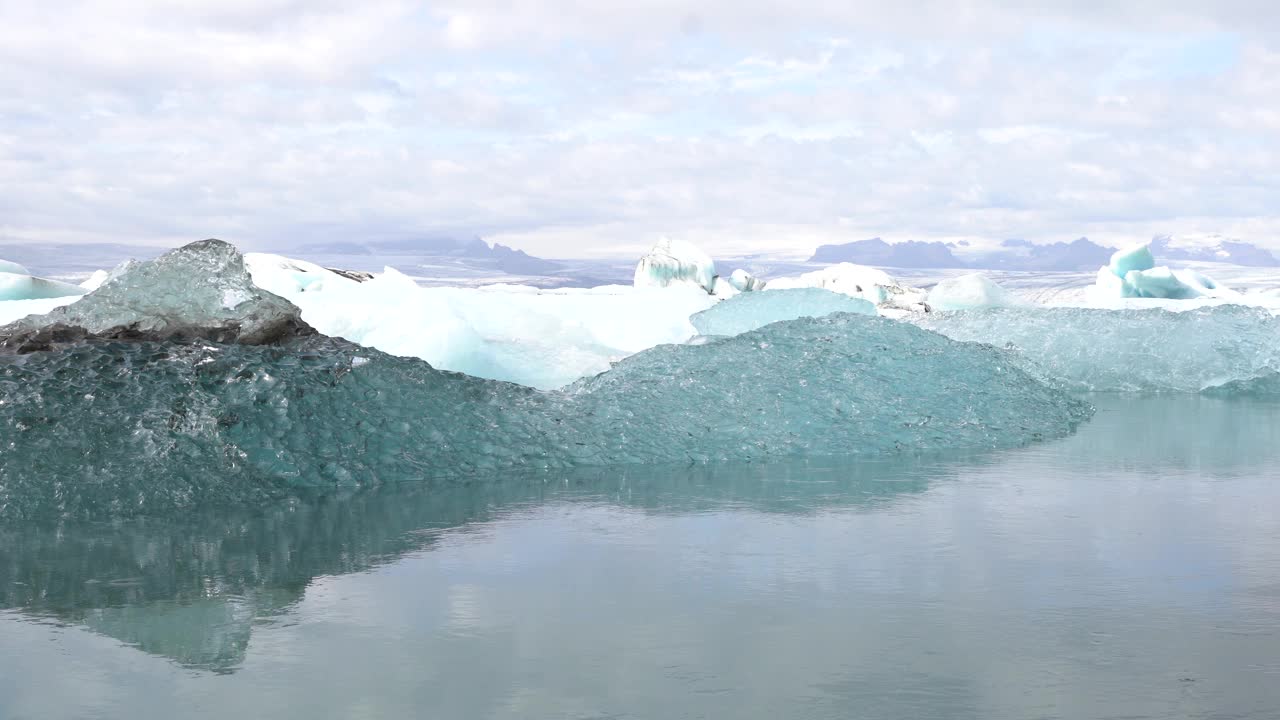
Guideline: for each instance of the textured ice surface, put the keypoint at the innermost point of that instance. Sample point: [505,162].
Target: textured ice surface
[201,290]
[105,428]
[542,338]
[968,292]
[871,284]
[25,287]
[753,310]
[1129,350]
[673,261]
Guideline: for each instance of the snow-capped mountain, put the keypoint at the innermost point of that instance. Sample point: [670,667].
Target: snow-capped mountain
[1212,248]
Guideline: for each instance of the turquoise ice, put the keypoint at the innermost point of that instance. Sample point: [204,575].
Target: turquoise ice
[102,427]
[1129,350]
[8,266]
[753,310]
[16,286]
[1130,259]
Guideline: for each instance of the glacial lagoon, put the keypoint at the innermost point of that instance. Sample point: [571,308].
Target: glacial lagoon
[1124,571]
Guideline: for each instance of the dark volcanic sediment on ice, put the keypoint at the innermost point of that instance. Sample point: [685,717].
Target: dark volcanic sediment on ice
[201,291]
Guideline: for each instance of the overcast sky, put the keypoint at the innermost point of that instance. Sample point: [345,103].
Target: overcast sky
[573,128]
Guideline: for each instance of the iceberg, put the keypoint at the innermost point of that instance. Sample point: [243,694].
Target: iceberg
[22,294]
[750,311]
[128,423]
[95,281]
[1169,284]
[1132,273]
[1139,350]
[14,286]
[968,292]
[672,261]
[541,338]
[199,291]
[13,268]
[723,289]
[871,284]
[287,277]
[1135,258]
[743,281]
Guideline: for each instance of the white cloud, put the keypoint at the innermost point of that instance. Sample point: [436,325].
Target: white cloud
[570,128]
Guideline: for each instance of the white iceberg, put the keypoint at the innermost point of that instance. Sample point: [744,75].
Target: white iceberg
[743,281]
[750,311]
[11,310]
[871,284]
[969,292]
[723,289]
[95,281]
[672,261]
[541,338]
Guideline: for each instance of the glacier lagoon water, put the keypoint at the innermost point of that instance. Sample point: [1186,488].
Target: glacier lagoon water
[1129,570]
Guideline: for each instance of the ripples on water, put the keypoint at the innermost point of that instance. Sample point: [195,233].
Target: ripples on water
[1132,570]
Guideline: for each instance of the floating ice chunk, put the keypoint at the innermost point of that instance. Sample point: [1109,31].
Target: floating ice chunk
[744,281]
[1128,350]
[201,290]
[542,338]
[163,427]
[750,311]
[1159,282]
[7,266]
[871,284]
[969,292]
[675,261]
[1135,257]
[1132,273]
[286,276]
[1108,286]
[95,280]
[25,287]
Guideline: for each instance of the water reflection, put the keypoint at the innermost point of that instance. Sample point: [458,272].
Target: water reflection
[944,557]
[191,590]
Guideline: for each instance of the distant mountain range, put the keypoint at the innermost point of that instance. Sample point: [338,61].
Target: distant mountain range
[1079,254]
[1212,249]
[473,250]
[878,252]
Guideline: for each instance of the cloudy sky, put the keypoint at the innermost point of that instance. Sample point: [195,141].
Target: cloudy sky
[573,128]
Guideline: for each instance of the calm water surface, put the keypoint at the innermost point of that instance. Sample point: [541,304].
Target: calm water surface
[1131,571]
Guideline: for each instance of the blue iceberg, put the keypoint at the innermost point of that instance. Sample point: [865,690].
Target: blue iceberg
[753,310]
[105,422]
